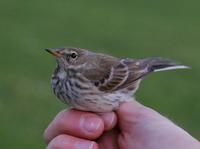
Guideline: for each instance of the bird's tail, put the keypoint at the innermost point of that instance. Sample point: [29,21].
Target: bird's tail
[160,64]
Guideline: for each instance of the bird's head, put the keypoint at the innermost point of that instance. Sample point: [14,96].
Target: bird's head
[67,57]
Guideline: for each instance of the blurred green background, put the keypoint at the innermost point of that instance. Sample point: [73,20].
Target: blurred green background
[136,29]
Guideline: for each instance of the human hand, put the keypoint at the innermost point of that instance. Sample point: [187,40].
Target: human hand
[78,130]
[138,127]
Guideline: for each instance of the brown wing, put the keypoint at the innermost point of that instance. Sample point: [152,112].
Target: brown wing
[98,69]
[117,75]
[111,74]
[125,74]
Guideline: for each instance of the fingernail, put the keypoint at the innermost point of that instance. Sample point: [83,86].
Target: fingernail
[90,124]
[84,145]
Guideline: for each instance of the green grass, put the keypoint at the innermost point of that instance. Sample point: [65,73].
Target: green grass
[127,29]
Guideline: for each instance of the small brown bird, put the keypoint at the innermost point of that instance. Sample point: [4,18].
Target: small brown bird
[97,82]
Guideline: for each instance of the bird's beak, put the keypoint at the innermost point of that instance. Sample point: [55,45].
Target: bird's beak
[54,52]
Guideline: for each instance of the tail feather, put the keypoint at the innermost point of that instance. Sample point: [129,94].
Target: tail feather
[172,68]
[160,64]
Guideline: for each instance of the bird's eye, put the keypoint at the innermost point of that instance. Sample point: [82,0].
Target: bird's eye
[73,55]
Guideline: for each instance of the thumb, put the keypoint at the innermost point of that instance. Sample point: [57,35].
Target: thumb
[130,114]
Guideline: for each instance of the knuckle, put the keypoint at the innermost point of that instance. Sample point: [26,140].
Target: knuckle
[61,114]
[60,119]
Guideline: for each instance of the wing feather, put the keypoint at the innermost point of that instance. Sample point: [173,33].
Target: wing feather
[127,73]
[118,75]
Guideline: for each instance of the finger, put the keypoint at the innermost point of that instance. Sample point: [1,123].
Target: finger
[109,119]
[76,123]
[132,113]
[66,141]
[109,140]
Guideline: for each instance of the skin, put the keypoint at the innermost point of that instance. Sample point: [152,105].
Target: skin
[132,126]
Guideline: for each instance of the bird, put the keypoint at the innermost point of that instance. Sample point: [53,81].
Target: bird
[97,82]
